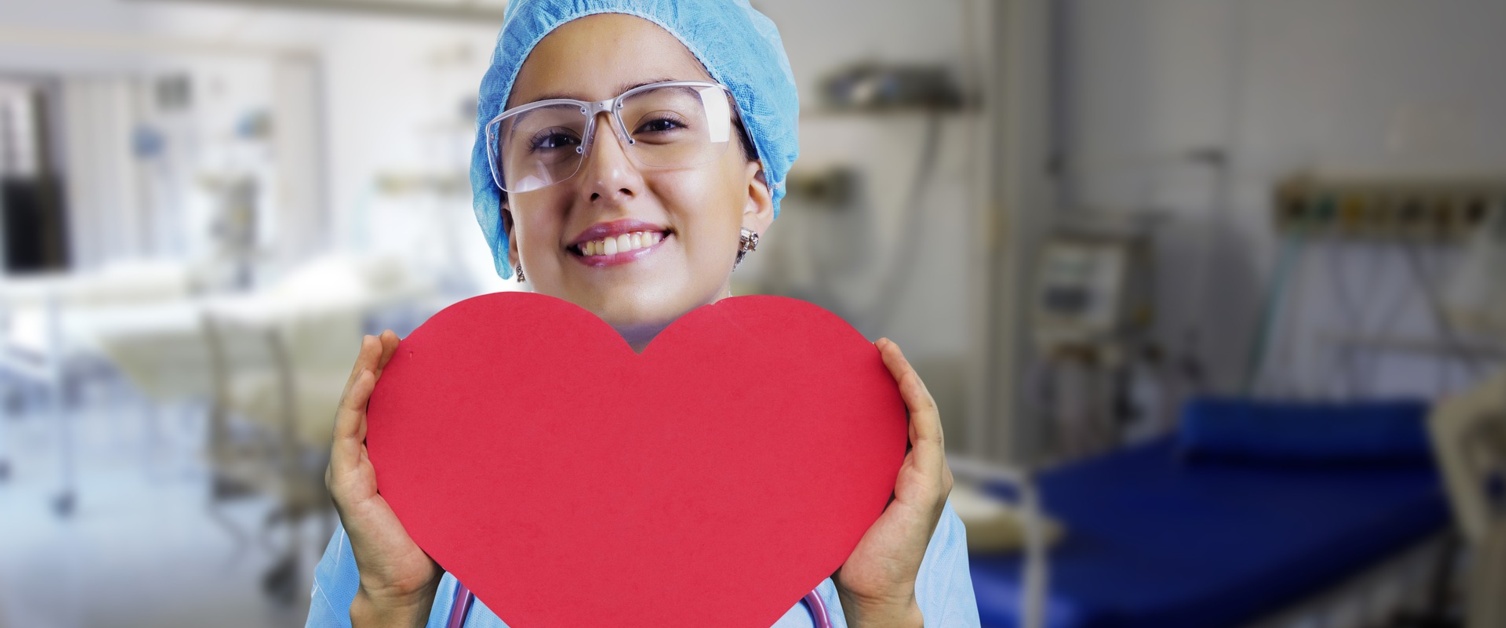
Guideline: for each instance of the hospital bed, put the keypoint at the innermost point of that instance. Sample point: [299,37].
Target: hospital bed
[270,364]
[1155,539]
[45,341]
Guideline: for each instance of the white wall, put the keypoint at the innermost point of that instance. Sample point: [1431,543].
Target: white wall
[932,319]
[939,315]
[1403,87]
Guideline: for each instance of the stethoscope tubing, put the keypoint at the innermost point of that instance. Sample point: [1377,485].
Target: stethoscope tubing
[464,599]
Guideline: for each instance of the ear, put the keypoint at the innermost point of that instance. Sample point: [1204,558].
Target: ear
[758,208]
[507,228]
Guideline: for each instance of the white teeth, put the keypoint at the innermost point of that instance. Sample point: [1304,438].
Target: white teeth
[621,243]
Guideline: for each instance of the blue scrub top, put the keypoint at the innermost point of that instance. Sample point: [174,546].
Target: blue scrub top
[944,588]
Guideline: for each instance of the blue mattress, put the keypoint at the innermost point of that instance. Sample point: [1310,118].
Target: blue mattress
[1153,541]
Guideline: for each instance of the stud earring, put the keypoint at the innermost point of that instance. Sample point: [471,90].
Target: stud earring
[747,242]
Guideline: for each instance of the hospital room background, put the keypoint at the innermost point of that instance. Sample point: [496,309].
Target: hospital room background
[1210,292]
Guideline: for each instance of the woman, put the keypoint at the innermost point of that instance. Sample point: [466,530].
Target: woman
[628,201]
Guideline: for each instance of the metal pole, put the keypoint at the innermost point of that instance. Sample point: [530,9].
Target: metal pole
[1035,570]
[63,503]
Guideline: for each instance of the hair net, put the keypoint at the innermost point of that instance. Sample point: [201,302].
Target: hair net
[739,47]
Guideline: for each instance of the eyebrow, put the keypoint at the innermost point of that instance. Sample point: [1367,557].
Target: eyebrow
[620,89]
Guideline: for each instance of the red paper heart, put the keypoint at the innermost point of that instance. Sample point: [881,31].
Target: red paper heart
[714,479]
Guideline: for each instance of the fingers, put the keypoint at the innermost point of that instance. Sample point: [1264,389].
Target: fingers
[925,419]
[928,448]
[350,423]
[369,346]
[389,342]
[350,416]
[375,353]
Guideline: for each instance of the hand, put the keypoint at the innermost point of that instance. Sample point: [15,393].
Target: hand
[877,583]
[398,580]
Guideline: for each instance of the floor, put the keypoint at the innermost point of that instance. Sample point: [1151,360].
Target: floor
[142,546]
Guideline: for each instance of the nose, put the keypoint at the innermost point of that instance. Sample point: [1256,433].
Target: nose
[608,172]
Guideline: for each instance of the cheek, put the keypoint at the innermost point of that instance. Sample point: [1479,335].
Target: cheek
[538,220]
[706,207]
[716,192]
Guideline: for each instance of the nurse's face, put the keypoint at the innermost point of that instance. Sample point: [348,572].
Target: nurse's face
[696,212]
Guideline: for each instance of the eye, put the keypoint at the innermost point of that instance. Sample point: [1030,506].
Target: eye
[552,139]
[664,123]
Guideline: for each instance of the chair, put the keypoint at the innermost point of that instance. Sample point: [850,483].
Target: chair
[276,387]
[279,360]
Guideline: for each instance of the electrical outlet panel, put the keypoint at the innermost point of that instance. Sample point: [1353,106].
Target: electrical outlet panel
[1386,209]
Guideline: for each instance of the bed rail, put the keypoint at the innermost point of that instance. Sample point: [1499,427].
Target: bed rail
[1035,569]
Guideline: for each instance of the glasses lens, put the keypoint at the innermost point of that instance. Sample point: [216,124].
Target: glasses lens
[677,127]
[538,147]
[670,127]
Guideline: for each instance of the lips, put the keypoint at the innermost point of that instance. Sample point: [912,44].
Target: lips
[623,243]
[618,241]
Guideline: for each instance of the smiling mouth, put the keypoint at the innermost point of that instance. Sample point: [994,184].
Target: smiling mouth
[606,248]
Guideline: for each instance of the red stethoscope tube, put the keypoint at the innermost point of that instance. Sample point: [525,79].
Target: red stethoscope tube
[464,598]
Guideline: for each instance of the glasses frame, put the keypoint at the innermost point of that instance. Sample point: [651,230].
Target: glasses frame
[592,110]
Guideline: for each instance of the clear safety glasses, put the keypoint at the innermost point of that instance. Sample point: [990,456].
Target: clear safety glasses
[676,124]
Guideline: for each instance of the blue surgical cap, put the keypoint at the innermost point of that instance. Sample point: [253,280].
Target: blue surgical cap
[739,47]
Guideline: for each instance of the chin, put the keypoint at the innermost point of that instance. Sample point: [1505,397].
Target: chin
[638,321]
[639,315]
